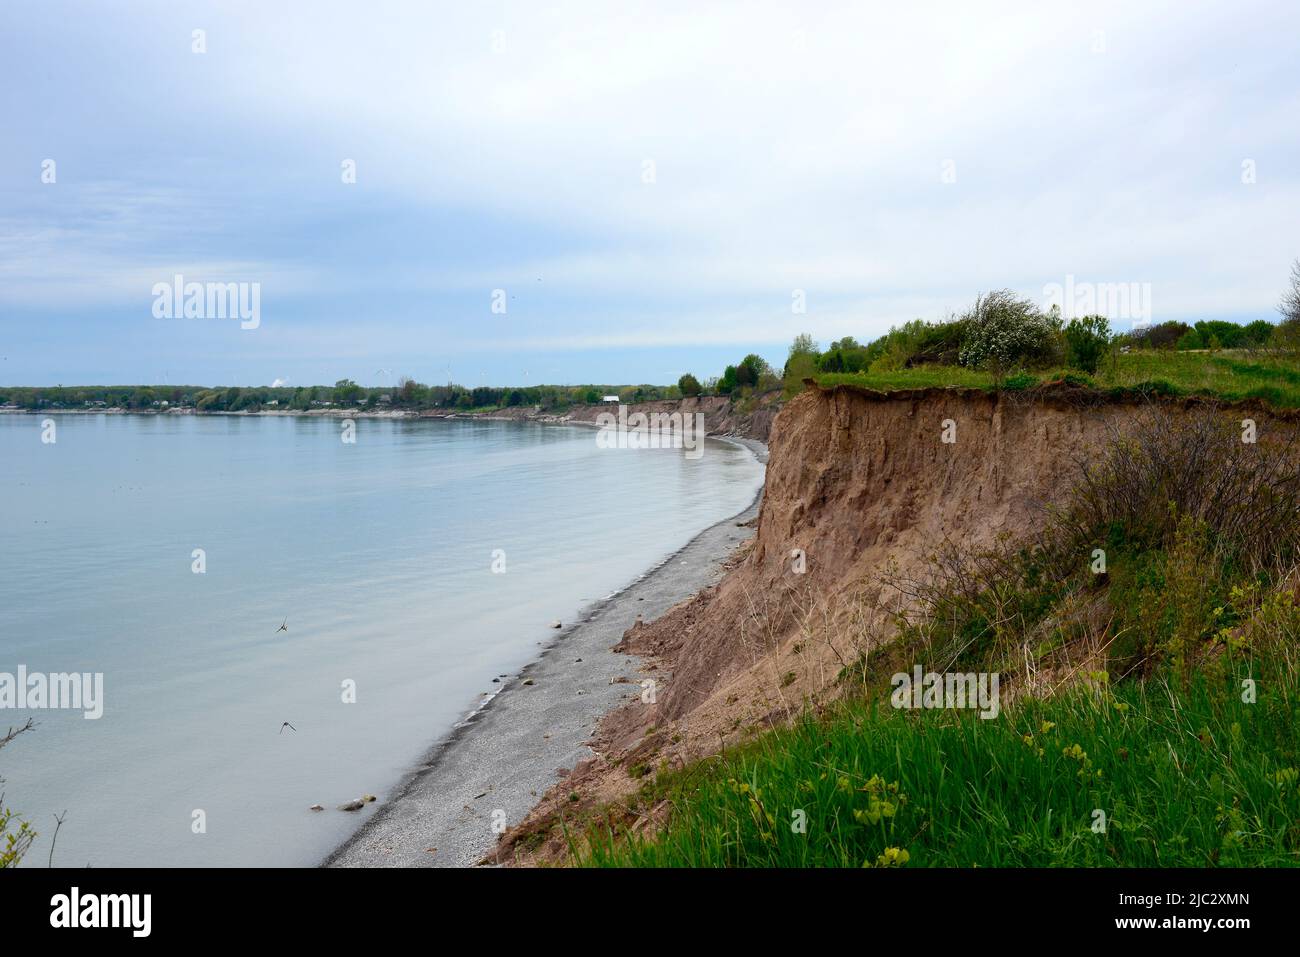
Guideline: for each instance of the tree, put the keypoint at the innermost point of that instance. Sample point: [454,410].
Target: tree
[746,375]
[141,398]
[1228,335]
[751,370]
[347,392]
[803,345]
[843,355]
[1087,340]
[800,364]
[1286,336]
[1257,333]
[1289,307]
[689,385]
[411,393]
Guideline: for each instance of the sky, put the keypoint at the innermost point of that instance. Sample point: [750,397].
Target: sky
[650,189]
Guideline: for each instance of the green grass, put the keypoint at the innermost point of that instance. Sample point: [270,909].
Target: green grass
[920,377]
[1229,375]
[1185,778]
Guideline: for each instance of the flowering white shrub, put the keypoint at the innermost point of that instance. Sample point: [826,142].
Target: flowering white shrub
[1004,332]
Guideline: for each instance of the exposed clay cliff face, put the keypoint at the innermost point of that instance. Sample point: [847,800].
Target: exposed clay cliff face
[749,418]
[857,481]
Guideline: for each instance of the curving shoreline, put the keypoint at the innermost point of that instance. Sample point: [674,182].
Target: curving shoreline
[508,752]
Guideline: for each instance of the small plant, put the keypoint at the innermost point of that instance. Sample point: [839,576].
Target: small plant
[1020,382]
[16,835]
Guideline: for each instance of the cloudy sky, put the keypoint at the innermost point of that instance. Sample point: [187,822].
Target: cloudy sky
[656,187]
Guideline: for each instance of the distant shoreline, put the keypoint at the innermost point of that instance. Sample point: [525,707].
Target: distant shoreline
[270,413]
[722,416]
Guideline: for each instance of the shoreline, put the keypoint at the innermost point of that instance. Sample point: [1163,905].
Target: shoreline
[269,413]
[494,766]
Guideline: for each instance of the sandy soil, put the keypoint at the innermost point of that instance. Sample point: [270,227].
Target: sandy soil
[495,766]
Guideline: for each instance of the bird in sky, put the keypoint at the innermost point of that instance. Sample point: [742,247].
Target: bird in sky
[289,726]
[284,627]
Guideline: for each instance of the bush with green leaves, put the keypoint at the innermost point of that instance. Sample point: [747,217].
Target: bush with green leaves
[1005,332]
[893,350]
[1087,340]
[844,355]
[689,385]
[800,364]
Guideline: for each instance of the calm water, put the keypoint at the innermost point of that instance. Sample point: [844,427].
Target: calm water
[380,556]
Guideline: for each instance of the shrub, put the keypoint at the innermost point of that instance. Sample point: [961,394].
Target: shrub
[1020,382]
[894,349]
[1161,470]
[1286,336]
[939,343]
[1087,339]
[1004,332]
[689,385]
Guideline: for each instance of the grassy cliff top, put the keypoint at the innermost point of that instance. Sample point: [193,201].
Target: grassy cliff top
[1230,374]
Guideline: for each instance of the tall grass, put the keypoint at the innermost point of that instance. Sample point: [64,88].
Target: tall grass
[1141,775]
[1235,375]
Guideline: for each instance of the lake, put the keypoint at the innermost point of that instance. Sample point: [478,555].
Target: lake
[411,568]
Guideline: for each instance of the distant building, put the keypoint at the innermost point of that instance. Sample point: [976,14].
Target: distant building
[273,402]
[610,398]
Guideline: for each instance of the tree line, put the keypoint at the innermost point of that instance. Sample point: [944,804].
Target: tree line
[407,395]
